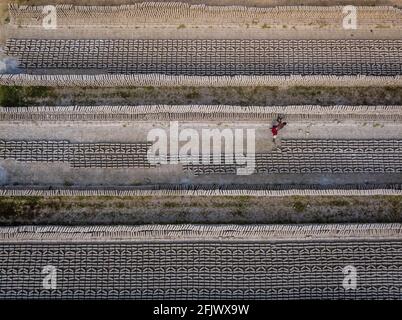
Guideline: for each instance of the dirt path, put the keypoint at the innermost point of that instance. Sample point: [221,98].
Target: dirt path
[256,3]
[196,32]
[243,96]
[139,210]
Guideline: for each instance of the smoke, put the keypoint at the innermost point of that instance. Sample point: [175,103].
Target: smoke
[9,65]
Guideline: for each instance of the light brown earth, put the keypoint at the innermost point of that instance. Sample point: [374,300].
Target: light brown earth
[3,12]
[254,3]
[198,32]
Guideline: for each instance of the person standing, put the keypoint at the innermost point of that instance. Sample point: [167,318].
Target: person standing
[276,127]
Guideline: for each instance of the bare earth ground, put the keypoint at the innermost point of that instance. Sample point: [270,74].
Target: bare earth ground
[143,210]
[254,3]
[3,12]
[262,96]
[196,32]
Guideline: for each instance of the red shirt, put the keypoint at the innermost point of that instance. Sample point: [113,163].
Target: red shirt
[274,131]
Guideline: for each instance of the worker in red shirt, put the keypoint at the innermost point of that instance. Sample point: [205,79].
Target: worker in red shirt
[275,128]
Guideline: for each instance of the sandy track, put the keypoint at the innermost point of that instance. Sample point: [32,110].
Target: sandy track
[257,3]
[208,32]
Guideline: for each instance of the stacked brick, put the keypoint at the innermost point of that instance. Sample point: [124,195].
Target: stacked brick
[211,191]
[301,156]
[206,262]
[211,57]
[79,155]
[201,112]
[297,156]
[253,262]
[180,13]
[160,80]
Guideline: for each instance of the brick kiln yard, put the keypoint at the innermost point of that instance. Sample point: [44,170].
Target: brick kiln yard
[87,165]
